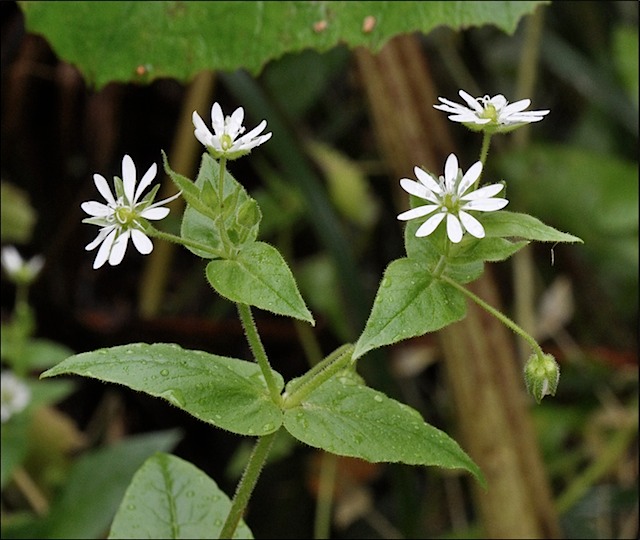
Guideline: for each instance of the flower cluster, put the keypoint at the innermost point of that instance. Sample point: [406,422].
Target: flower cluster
[449,197]
[15,395]
[494,114]
[124,215]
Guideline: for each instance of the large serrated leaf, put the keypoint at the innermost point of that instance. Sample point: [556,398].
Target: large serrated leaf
[140,41]
[409,302]
[349,419]
[226,392]
[260,277]
[191,503]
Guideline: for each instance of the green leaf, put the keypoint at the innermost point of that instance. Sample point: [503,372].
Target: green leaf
[226,392]
[95,486]
[260,277]
[190,503]
[132,41]
[512,224]
[349,419]
[409,302]
[241,217]
[190,193]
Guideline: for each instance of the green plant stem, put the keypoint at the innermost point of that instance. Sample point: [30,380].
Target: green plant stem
[247,484]
[251,332]
[317,368]
[184,241]
[326,486]
[484,152]
[318,374]
[223,166]
[503,318]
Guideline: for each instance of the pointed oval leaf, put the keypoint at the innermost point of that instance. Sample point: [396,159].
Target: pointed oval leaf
[226,392]
[409,303]
[260,277]
[190,503]
[349,419]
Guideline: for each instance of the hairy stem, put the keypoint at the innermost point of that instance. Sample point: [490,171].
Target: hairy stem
[251,331]
[500,316]
[247,484]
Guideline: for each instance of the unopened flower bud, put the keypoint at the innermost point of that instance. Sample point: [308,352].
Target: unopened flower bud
[541,375]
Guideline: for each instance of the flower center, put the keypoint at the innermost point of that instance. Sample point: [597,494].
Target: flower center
[490,112]
[450,202]
[125,215]
[226,142]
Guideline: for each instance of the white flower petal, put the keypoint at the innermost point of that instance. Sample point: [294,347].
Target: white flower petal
[516,107]
[470,177]
[96,209]
[486,205]
[128,178]
[102,234]
[217,119]
[234,126]
[471,224]
[103,187]
[141,242]
[451,171]
[119,248]
[105,249]
[414,188]
[146,180]
[454,229]
[155,213]
[471,101]
[418,212]
[483,193]
[430,225]
[427,180]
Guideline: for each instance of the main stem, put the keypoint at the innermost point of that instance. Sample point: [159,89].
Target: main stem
[251,331]
[247,484]
[503,318]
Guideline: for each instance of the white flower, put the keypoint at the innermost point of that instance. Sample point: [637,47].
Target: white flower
[447,197]
[123,216]
[225,141]
[14,395]
[494,114]
[17,268]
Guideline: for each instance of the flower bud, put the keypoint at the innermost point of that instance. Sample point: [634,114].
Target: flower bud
[541,375]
